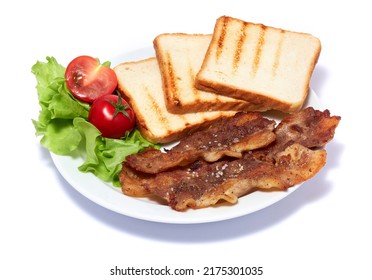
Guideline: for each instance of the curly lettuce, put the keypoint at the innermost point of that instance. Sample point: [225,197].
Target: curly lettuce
[63,126]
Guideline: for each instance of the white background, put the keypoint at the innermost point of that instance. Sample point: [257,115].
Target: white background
[49,231]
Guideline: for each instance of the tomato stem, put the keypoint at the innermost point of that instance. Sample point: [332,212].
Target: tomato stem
[119,108]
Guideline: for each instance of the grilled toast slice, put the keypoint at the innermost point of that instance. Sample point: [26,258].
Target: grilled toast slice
[259,64]
[180,57]
[140,83]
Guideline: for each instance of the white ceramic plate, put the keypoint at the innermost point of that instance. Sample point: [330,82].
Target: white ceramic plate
[111,197]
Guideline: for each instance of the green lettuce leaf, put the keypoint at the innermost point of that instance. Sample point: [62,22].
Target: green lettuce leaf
[59,131]
[63,125]
[58,109]
[103,156]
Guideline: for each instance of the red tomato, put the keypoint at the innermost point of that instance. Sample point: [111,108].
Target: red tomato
[112,116]
[87,79]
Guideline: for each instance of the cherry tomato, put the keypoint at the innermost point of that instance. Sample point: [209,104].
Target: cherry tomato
[112,116]
[87,79]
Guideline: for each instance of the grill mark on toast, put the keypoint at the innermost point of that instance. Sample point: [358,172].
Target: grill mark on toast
[239,45]
[155,106]
[278,53]
[195,91]
[258,51]
[171,86]
[221,38]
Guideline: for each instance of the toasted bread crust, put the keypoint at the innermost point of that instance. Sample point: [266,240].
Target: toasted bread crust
[262,65]
[258,99]
[139,83]
[178,77]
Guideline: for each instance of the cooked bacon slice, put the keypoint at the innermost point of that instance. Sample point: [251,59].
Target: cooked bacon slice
[309,127]
[228,137]
[134,183]
[203,184]
[286,162]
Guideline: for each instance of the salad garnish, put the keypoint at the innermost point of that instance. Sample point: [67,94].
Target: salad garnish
[64,128]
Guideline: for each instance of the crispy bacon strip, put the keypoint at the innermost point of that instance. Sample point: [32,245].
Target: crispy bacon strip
[228,137]
[204,184]
[309,127]
[284,163]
